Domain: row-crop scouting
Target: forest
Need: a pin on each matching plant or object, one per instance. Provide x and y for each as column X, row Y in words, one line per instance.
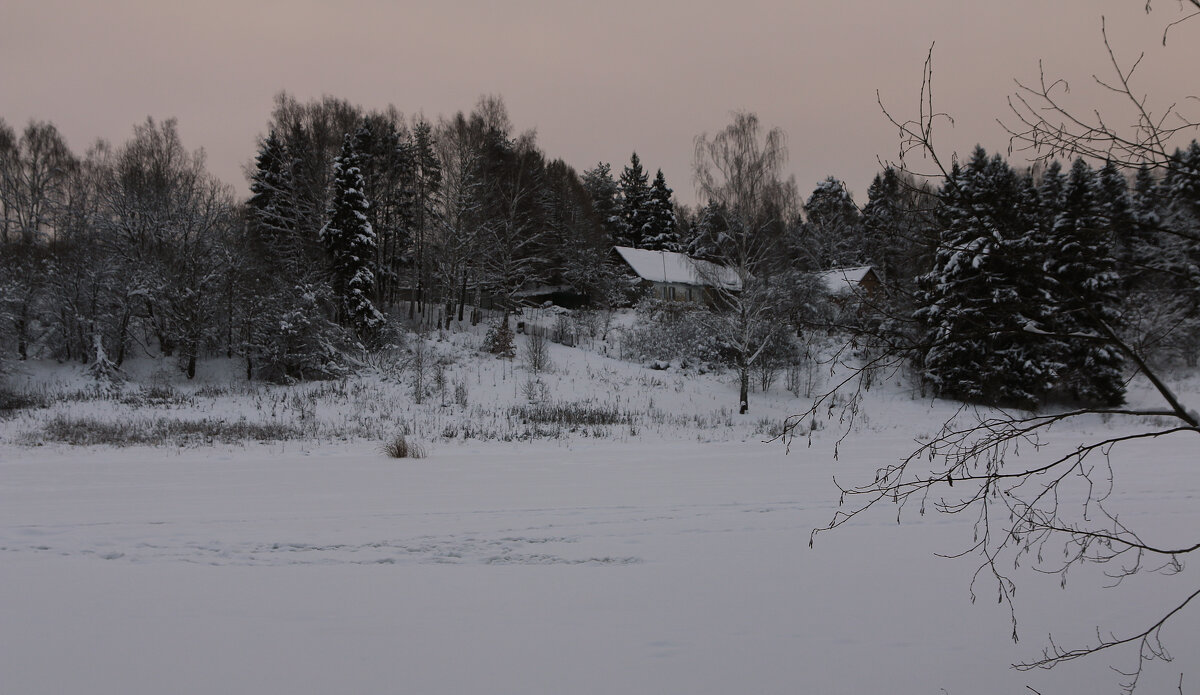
column 362, row 225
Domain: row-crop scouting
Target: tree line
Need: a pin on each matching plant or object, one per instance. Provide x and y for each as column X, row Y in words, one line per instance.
column 357, row 218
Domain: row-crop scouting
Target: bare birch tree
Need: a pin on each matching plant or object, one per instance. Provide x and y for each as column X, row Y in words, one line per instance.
column 740, row 169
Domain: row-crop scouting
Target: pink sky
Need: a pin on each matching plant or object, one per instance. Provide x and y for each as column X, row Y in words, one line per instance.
column 596, row 79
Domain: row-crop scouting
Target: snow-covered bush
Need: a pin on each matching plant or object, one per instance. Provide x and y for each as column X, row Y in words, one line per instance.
column 667, row 331
column 294, row 341
column 499, row 340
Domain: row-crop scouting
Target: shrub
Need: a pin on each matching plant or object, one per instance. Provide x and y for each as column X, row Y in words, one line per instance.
column 291, row 340
column 460, row 391
column 399, row 447
column 665, row 331
column 11, row 401
column 535, row 390
column 537, row 352
column 499, row 340
column 419, row 364
column 564, row 330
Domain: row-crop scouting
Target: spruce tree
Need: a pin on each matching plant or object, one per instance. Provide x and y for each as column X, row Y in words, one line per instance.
column 886, row 233
column 1178, row 251
column 272, row 212
column 833, row 227
column 350, row 241
column 982, row 295
column 1050, row 193
column 1117, row 207
column 1181, row 189
column 1146, row 210
column 1084, row 283
column 661, row 229
column 606, row 199
column 635, row 204
column 898, row 232
column 708, row 233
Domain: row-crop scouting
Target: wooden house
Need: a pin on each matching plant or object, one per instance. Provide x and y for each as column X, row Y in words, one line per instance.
column 677, row 277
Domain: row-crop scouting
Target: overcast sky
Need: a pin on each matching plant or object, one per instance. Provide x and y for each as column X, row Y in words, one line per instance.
column 597, row 80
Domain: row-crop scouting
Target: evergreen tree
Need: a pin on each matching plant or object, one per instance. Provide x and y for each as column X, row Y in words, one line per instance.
column 832, row 231
column 635, row 204
column 1181, row 189
column 1177, row 250
column 350, row 241
column 1117, row 207
column 661, row 228
column 273, row 217
column 1050, row 193
column 709, row 233
column 1084, row 283
column 606, row 199
column 386, row 167
column 983, row 294
column 898, row 233
column 1146, row 210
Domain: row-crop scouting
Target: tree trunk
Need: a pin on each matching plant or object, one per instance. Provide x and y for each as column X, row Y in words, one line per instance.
column 121, row 337
column 22, row 343
column 744, row 378
column 462, row 298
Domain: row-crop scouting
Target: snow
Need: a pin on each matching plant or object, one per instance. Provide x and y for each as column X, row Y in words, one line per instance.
column 843, row 280
column 671, row 267
column 674, row 560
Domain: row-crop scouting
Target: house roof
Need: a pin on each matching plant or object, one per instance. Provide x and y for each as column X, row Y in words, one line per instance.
column 671, row 267
column 844, row 280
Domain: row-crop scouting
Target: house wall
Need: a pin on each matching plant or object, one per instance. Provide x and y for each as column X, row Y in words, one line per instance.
column 677, row 292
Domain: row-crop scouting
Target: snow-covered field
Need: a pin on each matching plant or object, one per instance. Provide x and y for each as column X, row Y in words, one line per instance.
column 667, row 557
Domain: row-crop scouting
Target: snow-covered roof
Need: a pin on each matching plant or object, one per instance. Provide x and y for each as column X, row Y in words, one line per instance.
column 843, row 280
column 667, row 266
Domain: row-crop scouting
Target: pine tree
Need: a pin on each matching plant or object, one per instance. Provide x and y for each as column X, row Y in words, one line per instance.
column 350, row 241
column 635, row 204
column 662, row 229
column 983, row 294
column 1081, row 268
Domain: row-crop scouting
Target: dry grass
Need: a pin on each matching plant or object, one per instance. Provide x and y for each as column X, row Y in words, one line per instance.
column 89, row 431
column 399, row 447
